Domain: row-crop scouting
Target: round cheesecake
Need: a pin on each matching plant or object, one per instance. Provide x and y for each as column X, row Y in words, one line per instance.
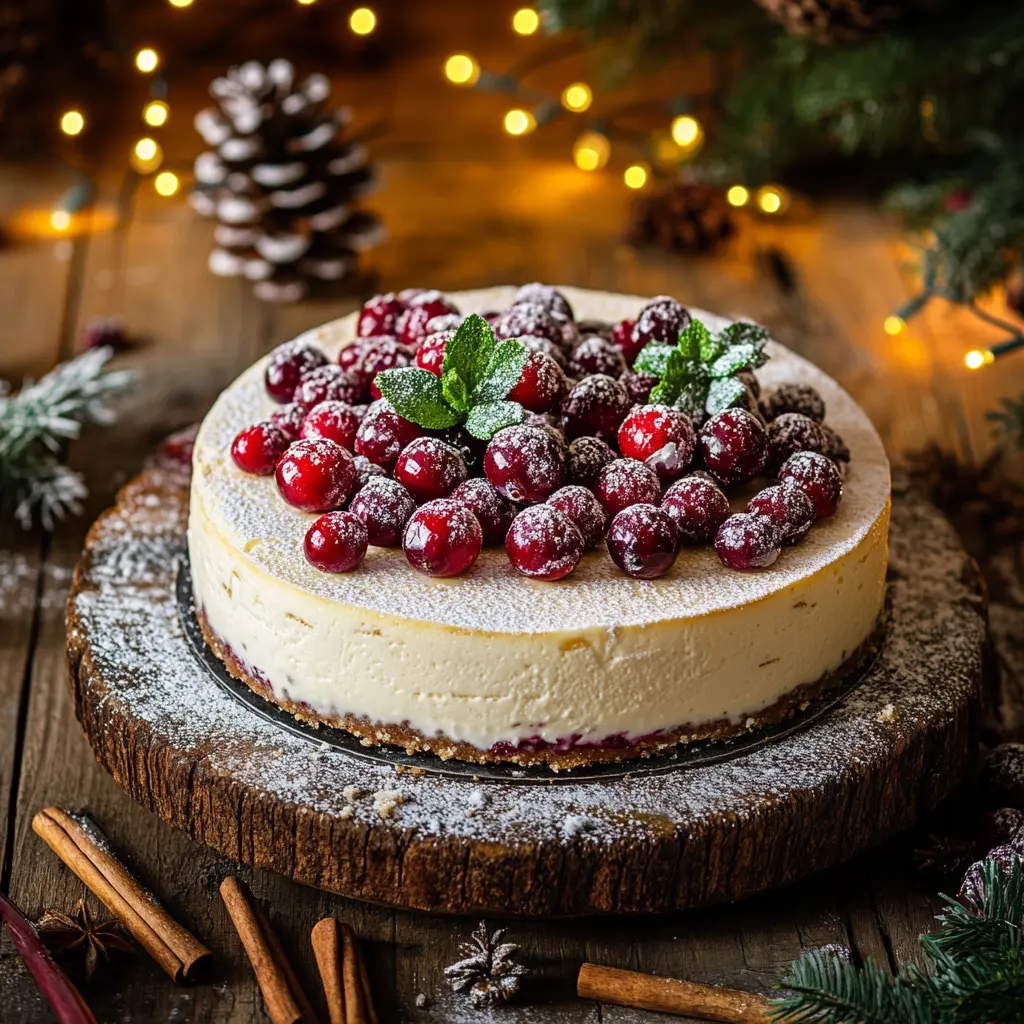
column 492, row 665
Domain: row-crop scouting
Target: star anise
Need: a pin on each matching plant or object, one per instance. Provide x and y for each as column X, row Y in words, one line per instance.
column 490, row 972
column 96, row 940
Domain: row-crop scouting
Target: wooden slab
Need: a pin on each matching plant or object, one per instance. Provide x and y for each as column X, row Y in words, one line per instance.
column 187, row 750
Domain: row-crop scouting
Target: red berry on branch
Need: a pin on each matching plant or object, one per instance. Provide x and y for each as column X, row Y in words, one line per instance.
column 336, row 542
column 442, row 538
column 315, row 475
column 256, row 449
column 642, row 541
column 544, row 544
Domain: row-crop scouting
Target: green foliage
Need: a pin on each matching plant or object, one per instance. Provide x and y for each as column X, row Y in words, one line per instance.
column 1008, row 420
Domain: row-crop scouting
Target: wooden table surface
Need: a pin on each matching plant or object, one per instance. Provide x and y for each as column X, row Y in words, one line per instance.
column 457, row 219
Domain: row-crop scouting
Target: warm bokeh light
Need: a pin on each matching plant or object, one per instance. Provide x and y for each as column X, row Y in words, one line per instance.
column 362, row 21
column 72, row 122
column 146, row 60
column 146, row 156
column 977, row 358
column 519, row 122
column 686, row 131
column 60, row 220
column 738, row 196
column 166, row 183
column 180, row 3
column 893, row 325
column 591, row 151
column 155, row 113
column 526, row 21
column 461, row 69
column 305, row 3
column 635, row 176
column 772, row 199
column 577, row 97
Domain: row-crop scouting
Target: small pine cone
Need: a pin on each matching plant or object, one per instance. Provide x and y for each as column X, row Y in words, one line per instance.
column 801, row 398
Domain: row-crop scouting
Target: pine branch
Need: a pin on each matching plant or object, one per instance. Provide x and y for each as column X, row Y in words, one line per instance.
column 1008, row 420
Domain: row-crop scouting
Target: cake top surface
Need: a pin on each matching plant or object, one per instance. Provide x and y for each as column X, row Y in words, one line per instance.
column 249, row 515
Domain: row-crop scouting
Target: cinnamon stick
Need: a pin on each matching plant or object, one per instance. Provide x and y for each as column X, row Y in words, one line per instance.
column 668, row 995
column 327, row 943
column 358, row 1003
column 83, row 846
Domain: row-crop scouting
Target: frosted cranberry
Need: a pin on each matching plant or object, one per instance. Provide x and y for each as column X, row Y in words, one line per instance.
column 626, row 482
column 525, row 463
column 586, row 458
column 328, row 383
column 570, row 333
column 442, row 538
column 597, row 355
column 430, row 354
column 639, row 385
column 788, row 507
column 379, row 315
column 660, row 436
column 286, row 367
column 256, row 449
column 595, row 407
column 413, row 324
column 334, row 420
column 542, row 384
column 351, row 356
column 336, row 542
column 315, row 475
column 289, row 418
column 697, row 507
column 734, row 446
column 385, row 506
column 801, row 398
column 366, row 471
column 642, row 541
column 662, row 319
column 382, row 434
column 528, row 318
column 792, row 432
column 622, row 338
column 429, row 469
column 408, row 294
column 746, row 541
column 387, row 355
column 544, row 346
column 583, row 509
column 544, row 544
column 545, row 295
column 445, row 322
column 817, row 477
column 491, row 508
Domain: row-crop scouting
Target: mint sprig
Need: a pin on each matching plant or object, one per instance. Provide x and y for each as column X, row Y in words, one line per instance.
column 476, row 376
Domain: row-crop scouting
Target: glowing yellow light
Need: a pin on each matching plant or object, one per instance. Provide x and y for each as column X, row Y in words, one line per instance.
column 635, row 176
column 362, row 21
column 72, row 122
column 577, row 97
column 591, row 151
column 461, row 69
column 146, row 156
column 738, row 196
column 686, row 131
column 772, row 199
column 519, row 122
column 526, row 21
column 146, row 60
column 155, row 113
column 166, row 183
column 976, row 359
column 306, row 3
column 60, row 220
column 181, row 3
column 893, row 325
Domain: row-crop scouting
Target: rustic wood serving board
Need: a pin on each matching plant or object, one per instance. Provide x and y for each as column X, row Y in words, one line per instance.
column 647, row 841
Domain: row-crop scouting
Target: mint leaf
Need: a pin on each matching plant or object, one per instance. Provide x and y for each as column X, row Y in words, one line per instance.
column 503, row 371
column 694, row 339
column 711, row 347
column 744, row 333
column 677, row 371
column 469, row 351
column 417, row 396
column 653, row 357
column 723, row 394
column 454, row 390
column 485, row 420
column 738, row 357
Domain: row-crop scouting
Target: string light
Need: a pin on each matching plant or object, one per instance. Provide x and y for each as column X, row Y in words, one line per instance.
column 577, row 97
column 687, row 132
column 591, row 150
column 155, row 113
column 772, row 199
column 977, row 358
column 461, row 69
column 738, row 196
column 635, row 176
column 166, row 183
column 526, row 21
column 362, row 21
column 519, row 122
column 147, row 60
column 146, row 156
column 306, row 3
column 180, row 3
column 893, row 325
column 60, row 220
column 72, row 122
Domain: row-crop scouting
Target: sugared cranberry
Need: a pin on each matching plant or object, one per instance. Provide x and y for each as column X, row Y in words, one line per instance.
column 428, row 468
column 351, row 356
column 385, row 506
column 622, row 338
column 315, row 475
column 662, row 319
column 544, row 544
column 697, row 507
column 289, row 418
column 595, row 407
column 336, row 542
column 642, row 541
column 430, row 354
column 585, row 511
column 387, row 355
column 734, row 446
column 542, row 385
column 570, row 333
column 491, row 508
column 328, row 383
column 444, row 322
column 256, row 449
column 366, row 471
column 413, row 324
column 382, row 434
column 793, row 432
column 528, row 318
column 334, row 420
column 639, row 385
column 586, row 458
column 287, row 365
column 838, row 449
column 661, row 436
column 801, row 398
column 626, row 482
column 525, row 463
column 408, row 294
column 545, row 295
column 817, row 477
column 596, row 355
column 442, row 538
column 545, row 346
column 746, row 541
column 788, row 507
column 380, row 315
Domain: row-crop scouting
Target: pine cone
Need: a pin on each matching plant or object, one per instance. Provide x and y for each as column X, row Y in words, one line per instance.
column 683, row 216
column 281, row 181
column 490, row 973
column 835, row 21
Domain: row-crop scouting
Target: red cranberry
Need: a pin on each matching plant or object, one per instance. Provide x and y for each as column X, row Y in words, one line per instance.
column 792, row 432
column 257, row 448
column 408, row 294
column 446, row 322
column 351, row 356
column 413, row 324
column 442, row 538
column 491, row 508
column 595, row 407
column 387, row 355
column 334, row 420
column 289, row 418
column 660, row 436
column 746, row 541
column 597, row 355
column 525, row 463
column 586, row 458
column 429, row 469
column 817, row 477
column 385, row 506
column 383, row 434
column 366, row 471
column 336, row 542
column 662, row 319
column 545, row 295
column 734, row 446
column 788, row 507
column 328, row 383
column 287, row 365
column 642, row 541
column 626, row 482
column 528, row 318
column 379, row 315
column 544, row 544
column 430, row 354
column 315, row 475
column 543, row 346
column 801, row 398
column 697, row 507
column 542, row 385
column 639, row 385
column 584, row 510
column 622, row 338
